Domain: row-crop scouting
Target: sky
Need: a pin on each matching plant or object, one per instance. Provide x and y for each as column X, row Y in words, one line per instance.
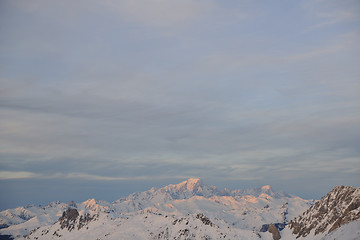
column 104, row 98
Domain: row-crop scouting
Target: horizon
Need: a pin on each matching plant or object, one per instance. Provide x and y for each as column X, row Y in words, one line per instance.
column 43, row 201
column 104, row 98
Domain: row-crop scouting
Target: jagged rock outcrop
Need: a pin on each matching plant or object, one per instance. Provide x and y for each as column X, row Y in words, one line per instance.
column 338, row 207
column 68, row 219
column 197, row 226
column 71, row 219
column 85, row 219
column 274, row 231
column 204, row 219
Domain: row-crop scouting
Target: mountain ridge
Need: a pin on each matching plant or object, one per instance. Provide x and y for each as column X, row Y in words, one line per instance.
column 187, row 210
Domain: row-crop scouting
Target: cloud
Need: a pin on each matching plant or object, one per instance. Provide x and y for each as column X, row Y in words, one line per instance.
column 96, row 90
column 127, row 170
column 16, row 175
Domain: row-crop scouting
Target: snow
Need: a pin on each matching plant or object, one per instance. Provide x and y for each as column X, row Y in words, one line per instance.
column 349, row 231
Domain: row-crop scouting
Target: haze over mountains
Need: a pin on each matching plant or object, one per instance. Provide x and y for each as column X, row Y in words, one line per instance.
column 192, row 210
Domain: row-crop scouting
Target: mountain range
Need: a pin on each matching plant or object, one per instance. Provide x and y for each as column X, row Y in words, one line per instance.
column 192, row 210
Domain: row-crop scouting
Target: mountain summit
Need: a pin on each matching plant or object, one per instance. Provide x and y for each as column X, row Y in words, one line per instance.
column 189, row 188
column 192, row 185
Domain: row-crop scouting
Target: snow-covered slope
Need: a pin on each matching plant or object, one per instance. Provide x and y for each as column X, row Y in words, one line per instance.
column 188, row 210
column 21, row 220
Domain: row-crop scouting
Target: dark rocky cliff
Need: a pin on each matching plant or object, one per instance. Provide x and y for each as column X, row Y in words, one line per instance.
column 338, row 207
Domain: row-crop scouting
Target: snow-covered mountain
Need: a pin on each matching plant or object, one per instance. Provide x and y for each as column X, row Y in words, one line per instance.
column 188, row 210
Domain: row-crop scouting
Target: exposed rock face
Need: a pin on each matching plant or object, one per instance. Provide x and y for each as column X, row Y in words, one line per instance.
column 205, row 220
column 338, row 207
column 68, row 219
column 85, row 219
column 191, row 227
column 275, row 232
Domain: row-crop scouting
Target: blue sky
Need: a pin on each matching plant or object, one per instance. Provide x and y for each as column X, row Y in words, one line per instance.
column 110, row 97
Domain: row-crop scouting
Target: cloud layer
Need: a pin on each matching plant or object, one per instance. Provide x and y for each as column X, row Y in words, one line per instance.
column 236, row 92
